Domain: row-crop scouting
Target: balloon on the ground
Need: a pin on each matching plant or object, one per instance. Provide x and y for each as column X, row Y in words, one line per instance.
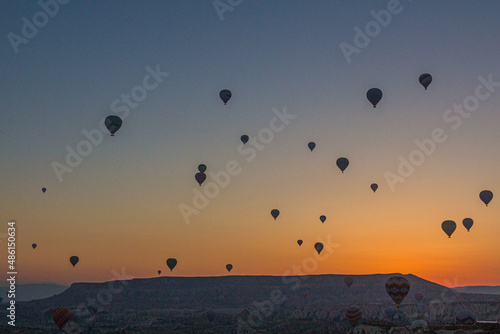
column 74, row 260
column 244, row 139
column 61, row 316
column 113, row 123
column 425, row 80
column 275, row 213
column 322, row 218
column 311, row 145
column 374, row 187
column 229, row 267
column 397, row 288
column 225, row 95
column 419, row 325
column 466, row 317
column 342, row 163
column 299, row 242
column 486, row 196
column 468, row 222
column 319, row 247
column 202, row 168
column 348, row 281
column 171, row 263
column 200, row 178
column 353, row 315
column 449, row 226
column 374, row 95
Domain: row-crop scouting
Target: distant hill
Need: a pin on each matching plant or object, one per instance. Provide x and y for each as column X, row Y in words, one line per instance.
column 28, row 292
column 479, row 289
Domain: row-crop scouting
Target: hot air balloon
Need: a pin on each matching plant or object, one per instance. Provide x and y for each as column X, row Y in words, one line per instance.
column 244, row 139
column 319, row 247
column 397, row 287
column 311, row 145
column 486, row 196
column 275, row 213
column 225, row 95
column 374, row 95
column 390, row 312
column 113, row 123
column 299, row 242
column 342, row 163
column 44, row 190
column 322, row 218
column 374, row 187
column 34, row 246
column 61, row 316
column 419, row 296
column 348, row 281
column 417, row 326
column 159, row 272
column 171, row 263
column 425, row 80
column 466, row 317
column 468, row 223
column 202, row 168
column 200, row 177
column 74, row 260
column 449, row 227
column 229, row 267
column 353, row 315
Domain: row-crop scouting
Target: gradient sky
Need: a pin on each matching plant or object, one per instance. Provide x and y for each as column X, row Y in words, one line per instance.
column 120, row 207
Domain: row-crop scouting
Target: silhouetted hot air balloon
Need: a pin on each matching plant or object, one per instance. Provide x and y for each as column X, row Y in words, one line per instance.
column 244, row 139
column 466, row 317
column 61, row 316
column 200, row 177
column 44, row 190
column 425, row 80
column 486, row 196
column 229, row 267
column 419, row 296
column 299, row 242
column 171, row 263
column 311, row 145
column 342, row 163
column 449, row 226
column 113, row 123
column 419, row 325
column 225, row 95
column 353, row 315
column 275, row 213
column 202, row 168
column 74, row 260
column 374, row 95
column 348, row 281
column 397, row 287
column 159, row 272
column 322, row 218
column 319, row 247
column 468, row 223
column 34, row 246
column 374, row 187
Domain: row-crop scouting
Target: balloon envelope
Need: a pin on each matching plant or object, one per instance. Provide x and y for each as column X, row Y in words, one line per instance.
column 348, row 281
column 44, row 190
column 468, row 222
column 34, row 246
column 202, row 168
column 425, row 80
column 74, row 260
column 225, row 95
column 374, row 187
column 390, row 311
column 353, row 315
column 113, row 123
column 61, row 316
column 275, row 213
column 171, row 263
column 374, row 95
column 342, row 163
column 419, row 296
column 319, row 247
column 311, row 146
column 397, row 288
column 200, row 178
column 486, row 196
column 419, row 325
column 299, row 242
column 229, row 267
column 449, row 226
column 322, row 218
column 244, row 139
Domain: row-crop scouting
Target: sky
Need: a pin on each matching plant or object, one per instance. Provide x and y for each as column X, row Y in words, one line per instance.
column 298, row 72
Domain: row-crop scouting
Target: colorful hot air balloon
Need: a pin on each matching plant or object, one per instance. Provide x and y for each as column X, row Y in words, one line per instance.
column 225, row 95
column 342, row 163
column 397, row 287
column 202, row 168
column 449, row 226
column 468, row 222
column 200, row 177
column 44, row 190
column 311, row 145
column 229, row 267
column 486, row 196
column 419, row 296
column 374, row 187
column 159, row 272
column 319, row 247
column 353, row 315
column 171, row 263
column 348, row 281
column 74, row 260
column 34, row 246
column 299, row 242
column 374, row 95
column 466, row 317
column 275, row 213
column 322, row 218
column 244, row 139
column 425, row 80
column 113, row 123
column 61, row 316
